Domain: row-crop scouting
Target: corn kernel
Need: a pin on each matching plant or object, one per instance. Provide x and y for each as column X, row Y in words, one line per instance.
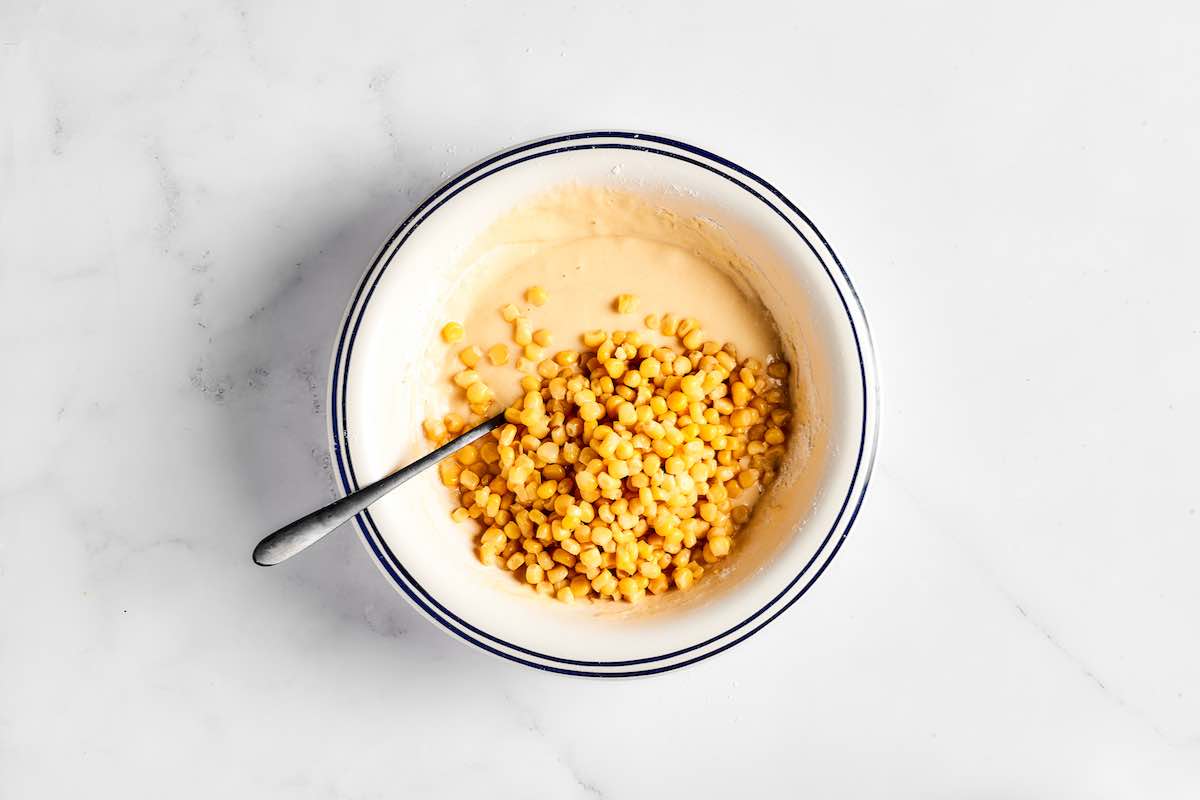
column 454, row 423
column 435, row 430
column 470, row 356
column 452, row 332
column 465, row 378
column 498, row 354
column 478, row 393
column 536, row 295
column 625, row 303
column 509, row 312
column 743, row 418
column 683, row 578
column 522, row 331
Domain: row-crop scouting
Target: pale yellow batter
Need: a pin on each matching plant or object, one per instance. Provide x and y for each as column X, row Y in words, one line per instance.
column 586, row 245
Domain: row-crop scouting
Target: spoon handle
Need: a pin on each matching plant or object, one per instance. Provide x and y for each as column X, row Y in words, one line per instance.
column 291, row 539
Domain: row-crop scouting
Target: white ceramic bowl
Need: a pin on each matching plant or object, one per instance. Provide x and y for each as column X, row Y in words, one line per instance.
column 798, row 527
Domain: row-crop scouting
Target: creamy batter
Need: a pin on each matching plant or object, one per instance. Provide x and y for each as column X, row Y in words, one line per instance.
column 586, row 245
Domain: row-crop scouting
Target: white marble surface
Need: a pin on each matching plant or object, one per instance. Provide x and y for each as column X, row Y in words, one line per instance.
column 188, row 193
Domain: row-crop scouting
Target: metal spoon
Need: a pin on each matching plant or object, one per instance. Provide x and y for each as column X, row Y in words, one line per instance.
column 291, row 539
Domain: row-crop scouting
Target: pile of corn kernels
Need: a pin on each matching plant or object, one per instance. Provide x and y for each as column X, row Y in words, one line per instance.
column 620, row 468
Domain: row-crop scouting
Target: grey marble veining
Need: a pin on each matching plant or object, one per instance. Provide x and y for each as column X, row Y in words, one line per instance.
column 189, row 192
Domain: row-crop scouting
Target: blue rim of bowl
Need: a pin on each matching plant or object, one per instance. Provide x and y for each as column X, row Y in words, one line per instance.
column 868, row 434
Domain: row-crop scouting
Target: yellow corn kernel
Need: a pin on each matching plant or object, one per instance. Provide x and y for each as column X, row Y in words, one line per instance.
column 434, row 429
column 536, row 295
column 534, row 352
column 478, row 393
column 593, row 338
column 740, row 394
column 692, row 386
column 625, row 303
column 465, row 378
column 719, row 545
column 626, row 414
column 591, row 411
column 543, row 337
column 743, row 418
column 454, row 423
column 590, row 557
column 522, row 331
column 670, row 325
column 470, row 356
column 498, row 354
column 652, row 322
column 452, row 332
column 459, row 515
column 615, row 367
column 449, row 471
column 683, row 577
column 509, row 312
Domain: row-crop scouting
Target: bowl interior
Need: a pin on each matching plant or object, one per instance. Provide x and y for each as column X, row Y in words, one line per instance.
column 385, row 401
